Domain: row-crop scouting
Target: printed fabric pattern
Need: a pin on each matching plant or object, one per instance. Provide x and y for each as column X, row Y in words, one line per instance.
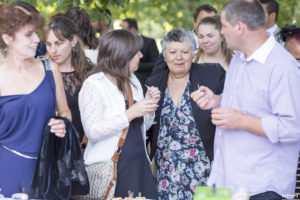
column 181, row 160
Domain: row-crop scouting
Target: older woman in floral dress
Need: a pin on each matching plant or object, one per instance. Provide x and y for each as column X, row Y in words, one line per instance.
column 182, row 140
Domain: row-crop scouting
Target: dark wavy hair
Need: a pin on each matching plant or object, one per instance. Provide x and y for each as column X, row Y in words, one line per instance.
column 81, row 20
column 116, row 50
column 64, row 29
column 13, row 17
column 272, row 6
column 205, row 7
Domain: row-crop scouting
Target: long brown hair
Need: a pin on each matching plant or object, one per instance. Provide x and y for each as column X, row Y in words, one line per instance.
column 215, row 21
column 116, row 50
column 64, row 29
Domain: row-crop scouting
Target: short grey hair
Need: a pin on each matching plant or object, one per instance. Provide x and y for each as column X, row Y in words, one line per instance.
column 249, row 12
column 179, row 35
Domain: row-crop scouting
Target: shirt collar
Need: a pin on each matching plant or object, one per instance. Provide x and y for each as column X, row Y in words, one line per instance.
column 261, row 54
column 274, row 29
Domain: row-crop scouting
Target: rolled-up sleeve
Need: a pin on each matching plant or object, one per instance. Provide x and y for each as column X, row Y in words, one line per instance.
column 283, row 124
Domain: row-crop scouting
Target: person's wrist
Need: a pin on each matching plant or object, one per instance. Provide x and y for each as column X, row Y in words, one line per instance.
column 216, row 101
column 242, row 121
column 129, row 115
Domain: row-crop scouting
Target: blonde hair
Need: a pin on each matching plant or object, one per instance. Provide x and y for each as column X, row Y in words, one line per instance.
column 214, row 20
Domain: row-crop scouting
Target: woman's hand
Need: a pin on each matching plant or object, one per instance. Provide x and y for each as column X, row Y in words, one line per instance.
column 152, row 93
column 58, row 127
column 141, row 108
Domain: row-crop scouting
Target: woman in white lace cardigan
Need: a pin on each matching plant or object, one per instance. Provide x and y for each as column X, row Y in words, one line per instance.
column 105, row 113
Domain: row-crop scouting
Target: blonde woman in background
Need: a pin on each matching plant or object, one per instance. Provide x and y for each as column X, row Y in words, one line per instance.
column 213, row 48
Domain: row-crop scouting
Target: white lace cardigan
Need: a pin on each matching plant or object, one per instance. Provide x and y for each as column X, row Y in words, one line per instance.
column 102, row 111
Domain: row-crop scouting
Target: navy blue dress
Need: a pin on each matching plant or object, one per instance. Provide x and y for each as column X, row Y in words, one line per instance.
column 133, row 168
column 22, row 122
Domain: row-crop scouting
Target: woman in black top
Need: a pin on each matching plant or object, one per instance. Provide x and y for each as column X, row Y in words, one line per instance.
column 65, row 49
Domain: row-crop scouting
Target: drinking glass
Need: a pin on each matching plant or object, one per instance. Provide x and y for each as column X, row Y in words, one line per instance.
column 1, row 195
column 240, row 193
column 19, row 196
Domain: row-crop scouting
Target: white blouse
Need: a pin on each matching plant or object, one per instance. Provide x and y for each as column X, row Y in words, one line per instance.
column 102, row 110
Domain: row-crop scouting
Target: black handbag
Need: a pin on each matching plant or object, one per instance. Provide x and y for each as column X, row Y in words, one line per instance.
column 60, row 171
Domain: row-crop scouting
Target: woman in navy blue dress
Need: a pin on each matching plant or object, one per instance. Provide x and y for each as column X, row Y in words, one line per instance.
column 27, row 101
column 103, row 104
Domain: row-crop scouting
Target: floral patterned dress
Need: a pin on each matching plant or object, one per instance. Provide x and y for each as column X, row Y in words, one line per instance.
column 181, row 160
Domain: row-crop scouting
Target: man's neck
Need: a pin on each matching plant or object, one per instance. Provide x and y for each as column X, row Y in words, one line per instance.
column 134, row 31
column 253, row 41
column 270, row 25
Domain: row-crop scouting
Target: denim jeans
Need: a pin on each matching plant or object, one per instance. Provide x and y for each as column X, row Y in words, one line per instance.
column 269, row 195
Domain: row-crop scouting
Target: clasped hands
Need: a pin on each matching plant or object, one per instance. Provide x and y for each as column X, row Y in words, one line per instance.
column 223, row 118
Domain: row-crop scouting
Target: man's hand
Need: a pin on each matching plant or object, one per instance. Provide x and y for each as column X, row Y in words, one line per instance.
column 227, row 118
column 205, row 98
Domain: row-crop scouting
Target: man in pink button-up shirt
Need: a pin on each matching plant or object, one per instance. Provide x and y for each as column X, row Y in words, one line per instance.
column 257, row 138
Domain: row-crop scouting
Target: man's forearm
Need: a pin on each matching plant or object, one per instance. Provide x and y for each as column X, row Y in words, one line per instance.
column 252, row 124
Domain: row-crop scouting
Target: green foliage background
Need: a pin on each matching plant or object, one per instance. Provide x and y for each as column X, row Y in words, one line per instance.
column 155, row 17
